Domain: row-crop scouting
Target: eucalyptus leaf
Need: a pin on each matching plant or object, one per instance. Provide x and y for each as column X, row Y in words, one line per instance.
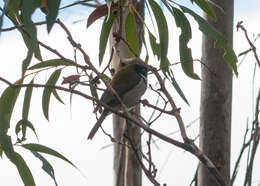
column 53, row 9
column 131, row 34
column 106, row 27
column 49, row 63
column 48, row 91
column 185, row 52
column 229, row 54
column 46, row 150
column 163, row 32
column 7, row 102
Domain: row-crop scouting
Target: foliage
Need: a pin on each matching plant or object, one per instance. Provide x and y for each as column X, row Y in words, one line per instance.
column 20, row 12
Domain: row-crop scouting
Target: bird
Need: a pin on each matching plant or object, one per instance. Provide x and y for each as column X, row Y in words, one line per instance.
column 130, row 83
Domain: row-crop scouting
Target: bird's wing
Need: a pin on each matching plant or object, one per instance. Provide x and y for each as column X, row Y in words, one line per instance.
column 125, row 81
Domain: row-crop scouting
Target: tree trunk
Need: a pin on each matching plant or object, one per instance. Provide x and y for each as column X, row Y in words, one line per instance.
column 127, row 170
column 216, row 98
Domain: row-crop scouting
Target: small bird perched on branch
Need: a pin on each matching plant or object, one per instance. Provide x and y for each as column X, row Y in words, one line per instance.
column 130, row 84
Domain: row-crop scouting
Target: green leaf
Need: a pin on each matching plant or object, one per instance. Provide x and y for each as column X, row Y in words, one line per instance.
column 176, row 86
column 27, row 101
column 56, row 95
column 49, row 63
column 46, row 166
column 7, row 102
column 46, row 150
column 163, row 32
column 47, row 92
column 185, row 52
column 27, row 39
column 229, row 55
column 13, row 5
column 53, row 8
column 27, row 61
column 106, row 27
column 1, row 151
column 30, row 36
column 204, row 5
column 168, row 73
column 7, row 146
column 22, row 125
column 24, row 171
column 131, row 34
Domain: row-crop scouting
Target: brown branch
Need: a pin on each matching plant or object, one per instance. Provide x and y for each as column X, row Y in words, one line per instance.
column 21, row 26
column 240, row 26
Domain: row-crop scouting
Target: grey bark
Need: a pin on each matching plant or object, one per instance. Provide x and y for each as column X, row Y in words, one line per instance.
column 216, row 98
column 127, row 170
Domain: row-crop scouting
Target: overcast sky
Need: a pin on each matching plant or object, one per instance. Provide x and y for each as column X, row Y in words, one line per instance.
column 67, row 130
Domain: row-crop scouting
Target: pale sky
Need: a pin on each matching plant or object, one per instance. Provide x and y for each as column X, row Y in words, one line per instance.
column 67, row 131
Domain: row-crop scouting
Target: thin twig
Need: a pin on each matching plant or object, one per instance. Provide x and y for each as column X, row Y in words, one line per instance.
column 240, row 26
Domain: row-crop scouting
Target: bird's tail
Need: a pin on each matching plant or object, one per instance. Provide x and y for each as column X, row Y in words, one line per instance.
column 98, row 124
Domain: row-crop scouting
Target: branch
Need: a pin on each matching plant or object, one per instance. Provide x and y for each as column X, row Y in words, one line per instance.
column 240, row 26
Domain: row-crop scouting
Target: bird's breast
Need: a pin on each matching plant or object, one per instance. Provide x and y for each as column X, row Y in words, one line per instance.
column 131, row 98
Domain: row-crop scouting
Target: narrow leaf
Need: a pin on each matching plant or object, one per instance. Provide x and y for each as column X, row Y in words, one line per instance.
column 27, row 101
column 46, row 166
column 168, row 73
column 131, row 34
column 27, row 60
column 106, row 27
column 46, row 150
column 204, row 5
column 7, row 146
column 53, row 8
column 24, row 171
column 56, row 95
column 185, row 52
column 7, row 102
column 23, row 124
column 176, row 86
column 229, row 55
column 30, row 36
column 50, row 63
column 99, row 12
column 47, row 92
column 163, row 32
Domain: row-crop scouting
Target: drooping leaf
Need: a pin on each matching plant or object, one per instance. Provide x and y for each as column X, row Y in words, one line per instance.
column 27, row 101
column 204, row 5
column 163, row 32
column 7, row 102
column 7, row 146
column 49, row 63
column 46, row 166
column 48, row 91
column 53, row 9
column 168, row 73
column 131, row 34
column 22, row 125
column 99, row 12
column 46, row 150
column 176, row 86
column 229, row 55
column 185, row 51
column 13, row 5
column 27, row 61
column 56, row 95
column 16, row 159
column 106, row 27
column 24, row 171
column 30, row 37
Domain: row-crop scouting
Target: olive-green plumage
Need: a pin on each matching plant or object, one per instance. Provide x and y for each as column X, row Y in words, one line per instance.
column 130, row 84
